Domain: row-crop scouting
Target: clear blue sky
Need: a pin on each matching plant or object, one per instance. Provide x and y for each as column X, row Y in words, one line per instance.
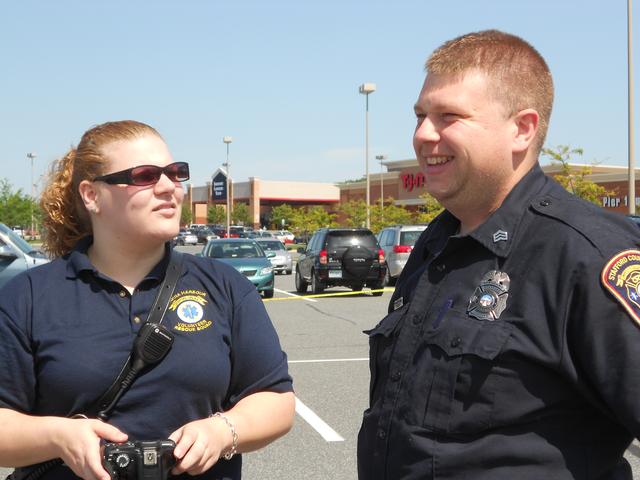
column 282, row 77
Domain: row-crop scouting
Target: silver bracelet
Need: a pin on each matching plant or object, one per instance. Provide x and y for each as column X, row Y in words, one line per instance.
column 234, row 435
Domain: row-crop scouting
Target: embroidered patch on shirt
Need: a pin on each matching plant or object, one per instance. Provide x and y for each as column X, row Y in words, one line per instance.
column 621, row 276
column 188, row 306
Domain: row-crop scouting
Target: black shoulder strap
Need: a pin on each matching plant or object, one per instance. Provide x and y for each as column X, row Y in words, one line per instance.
column 156, row 315
column 34, row 472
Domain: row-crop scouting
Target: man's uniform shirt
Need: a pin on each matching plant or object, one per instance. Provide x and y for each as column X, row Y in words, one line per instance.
column 504, row 355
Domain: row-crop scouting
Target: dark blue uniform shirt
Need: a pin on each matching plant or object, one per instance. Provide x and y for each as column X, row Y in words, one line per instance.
column 66, row 331
column 550, row 389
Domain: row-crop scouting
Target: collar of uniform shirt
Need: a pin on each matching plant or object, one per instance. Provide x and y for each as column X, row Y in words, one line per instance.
column 507, row 218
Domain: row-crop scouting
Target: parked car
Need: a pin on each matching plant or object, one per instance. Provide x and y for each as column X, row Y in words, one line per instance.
column 264, row 234
column 239, row 231
column 397, row 243
column 302, row 238
column 16, row 255
column 635, row 219
column 348, row 257
column 285, row 236
column 186, row 237
column 204, row 234
column 247, row 257
column 282, row 261
column 221, row 232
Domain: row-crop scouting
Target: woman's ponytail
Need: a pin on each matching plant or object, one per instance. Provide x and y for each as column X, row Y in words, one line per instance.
column 63, row 221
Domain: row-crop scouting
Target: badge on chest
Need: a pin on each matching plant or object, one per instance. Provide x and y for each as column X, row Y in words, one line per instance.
column 490, row 297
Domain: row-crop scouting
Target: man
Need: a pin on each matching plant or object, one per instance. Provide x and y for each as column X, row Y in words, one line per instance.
column 512, row 345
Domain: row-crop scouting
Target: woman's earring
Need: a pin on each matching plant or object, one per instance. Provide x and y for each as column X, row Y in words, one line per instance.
column 92, row 209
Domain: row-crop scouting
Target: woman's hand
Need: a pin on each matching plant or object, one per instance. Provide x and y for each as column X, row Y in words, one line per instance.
column 199, row 445
column 78, row 442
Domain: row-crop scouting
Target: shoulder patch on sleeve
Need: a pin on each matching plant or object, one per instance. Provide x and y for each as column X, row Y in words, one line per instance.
column 621, row 276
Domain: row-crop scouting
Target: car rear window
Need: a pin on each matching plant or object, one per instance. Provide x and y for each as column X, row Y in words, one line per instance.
column 235, row 250
column 272, row 245
column 336, row 240
column 409, row 237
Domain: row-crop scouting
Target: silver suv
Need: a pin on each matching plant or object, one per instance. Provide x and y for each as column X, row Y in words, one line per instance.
column 16, row 255
column 397, row 243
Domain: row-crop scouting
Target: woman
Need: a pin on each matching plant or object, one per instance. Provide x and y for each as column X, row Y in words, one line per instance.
column 110, row 209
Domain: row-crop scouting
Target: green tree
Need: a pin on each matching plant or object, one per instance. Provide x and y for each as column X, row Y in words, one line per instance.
column 240, row 214
column 575, row 181
column 430, row 210
column 280, row 212
column 306, row 220
column 185, row 214
column 216, row 214
column 354, row 212
column 390, row 214
column 16, row 207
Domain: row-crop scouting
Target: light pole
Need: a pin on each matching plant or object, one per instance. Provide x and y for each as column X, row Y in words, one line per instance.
column 381, row 159
column 227, row 140
column 366, row 89
column 632, row 166
column 31, row 156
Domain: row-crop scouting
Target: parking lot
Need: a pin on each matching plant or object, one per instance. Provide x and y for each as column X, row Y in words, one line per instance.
column 328, row 359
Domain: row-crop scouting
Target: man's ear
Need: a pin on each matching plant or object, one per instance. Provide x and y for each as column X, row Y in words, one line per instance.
column 89, row 195
column 525, row 128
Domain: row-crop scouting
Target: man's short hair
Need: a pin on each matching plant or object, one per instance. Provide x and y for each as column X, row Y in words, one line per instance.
column 519, row 75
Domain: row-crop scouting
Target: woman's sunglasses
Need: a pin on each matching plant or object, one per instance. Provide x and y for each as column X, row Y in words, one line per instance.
column 147, row 174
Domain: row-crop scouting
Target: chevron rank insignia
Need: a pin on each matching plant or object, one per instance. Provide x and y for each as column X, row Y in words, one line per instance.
column 500, row 236
column 621, row 276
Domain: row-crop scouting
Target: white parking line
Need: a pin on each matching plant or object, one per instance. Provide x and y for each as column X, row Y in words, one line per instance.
column 294, row 295
column 319, row 425
column 326, row 360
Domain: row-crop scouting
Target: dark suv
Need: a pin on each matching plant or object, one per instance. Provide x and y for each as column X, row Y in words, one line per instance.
column 348, row 257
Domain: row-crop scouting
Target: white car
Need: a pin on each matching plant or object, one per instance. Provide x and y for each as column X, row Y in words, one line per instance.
column 186, row 237
column 16, row 255
column 282, row 261
column 285, row 236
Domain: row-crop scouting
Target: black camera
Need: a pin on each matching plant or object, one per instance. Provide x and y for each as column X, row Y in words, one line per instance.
column 139, row 460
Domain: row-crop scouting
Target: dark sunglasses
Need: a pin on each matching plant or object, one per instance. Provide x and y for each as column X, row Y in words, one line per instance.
column 143, row 175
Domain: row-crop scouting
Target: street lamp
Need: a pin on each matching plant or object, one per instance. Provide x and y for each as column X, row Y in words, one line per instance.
column 227, row 140
column 31, row 156
column 365, row 89
column 632, row 165
column 381, row 158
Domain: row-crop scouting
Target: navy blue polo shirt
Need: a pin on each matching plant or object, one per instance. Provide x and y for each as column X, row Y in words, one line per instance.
column 66, row 331
column 542, row 384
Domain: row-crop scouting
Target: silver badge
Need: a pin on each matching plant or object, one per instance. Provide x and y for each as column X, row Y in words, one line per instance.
column 490, row 298
column 500, row 236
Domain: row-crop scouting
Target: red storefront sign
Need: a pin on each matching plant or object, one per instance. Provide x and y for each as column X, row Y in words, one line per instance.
column 412, row 180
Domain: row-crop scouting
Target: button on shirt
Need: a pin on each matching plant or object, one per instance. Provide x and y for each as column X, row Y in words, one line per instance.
column 66, row 331
column 547, row 390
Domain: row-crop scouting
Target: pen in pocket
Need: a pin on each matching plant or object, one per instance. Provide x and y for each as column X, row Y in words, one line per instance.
column 442, row 312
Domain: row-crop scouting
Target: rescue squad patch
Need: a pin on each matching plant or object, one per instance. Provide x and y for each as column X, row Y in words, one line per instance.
column 188, row 305
column 621, row 276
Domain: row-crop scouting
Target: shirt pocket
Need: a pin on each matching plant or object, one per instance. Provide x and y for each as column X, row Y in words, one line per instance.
column 381, row 341
column 463, row 353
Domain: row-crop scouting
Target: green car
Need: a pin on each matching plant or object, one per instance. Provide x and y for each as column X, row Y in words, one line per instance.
column 247, row 257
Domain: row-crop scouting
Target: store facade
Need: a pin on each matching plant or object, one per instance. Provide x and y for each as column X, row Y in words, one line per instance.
column 403, row 181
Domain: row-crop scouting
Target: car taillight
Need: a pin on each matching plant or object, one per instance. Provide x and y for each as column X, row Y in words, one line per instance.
column 402, row 248
column 381, row 255
column 323, row 257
